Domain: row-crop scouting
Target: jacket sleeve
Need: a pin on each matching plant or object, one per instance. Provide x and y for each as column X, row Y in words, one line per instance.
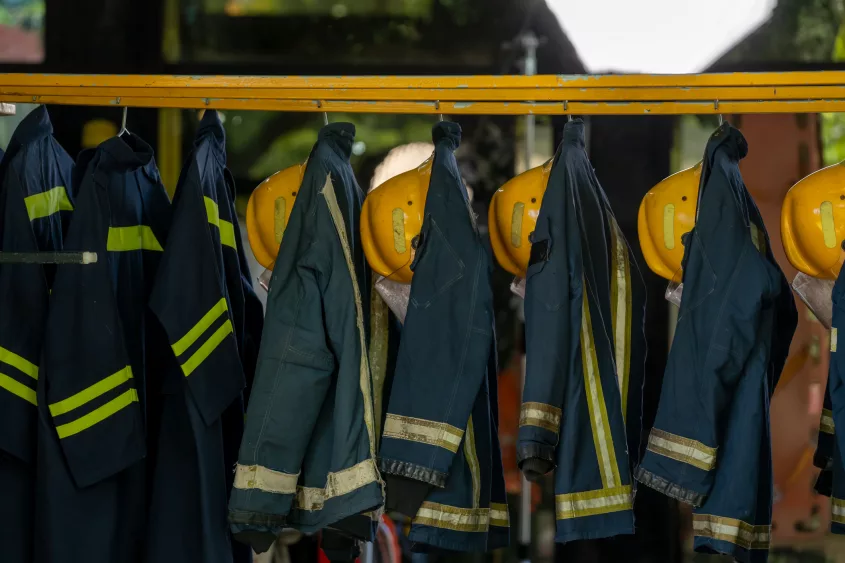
column 550, row 334
column 725, row 281
column 293, row 377
column 190, row 301
column 91, row 393
column 24, row 307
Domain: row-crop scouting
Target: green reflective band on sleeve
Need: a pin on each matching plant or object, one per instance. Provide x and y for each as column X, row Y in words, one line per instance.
column 18, row 389
column 18, row 362
column 46, row 203
column 227, row 229
column 91, row 393
column 206, row 349
column 98, row 415
column 206, row 321
column 136, row 237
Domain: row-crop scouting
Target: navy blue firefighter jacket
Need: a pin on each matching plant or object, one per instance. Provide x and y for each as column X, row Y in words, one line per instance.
column 307, row 459
column 199, row 299
column 36, row 203
column 710, row 445
column 830, row 454
column 102, row 354
column 440, row 429
column 585, row 352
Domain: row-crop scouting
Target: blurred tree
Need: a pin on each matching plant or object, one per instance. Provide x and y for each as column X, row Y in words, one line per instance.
column 799, row 30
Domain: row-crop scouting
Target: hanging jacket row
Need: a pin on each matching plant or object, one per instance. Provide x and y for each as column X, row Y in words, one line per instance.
column 123, row 381
column 342, row 409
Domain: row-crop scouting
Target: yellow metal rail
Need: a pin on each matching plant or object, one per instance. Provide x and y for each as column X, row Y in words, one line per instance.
column 787, row 92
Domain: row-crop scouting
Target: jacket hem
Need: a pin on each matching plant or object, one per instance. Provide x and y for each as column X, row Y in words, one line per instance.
column 671, row 490
column 530, row 450
column 413, row 471
column 335, row 509
column 594, row 534
column 703, row 544
column 441, row 539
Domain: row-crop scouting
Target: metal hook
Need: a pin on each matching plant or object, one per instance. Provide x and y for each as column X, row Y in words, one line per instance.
column 325, row 114
column 566, row 109
column 437, row 107
column 716, row 107
column 123, row 128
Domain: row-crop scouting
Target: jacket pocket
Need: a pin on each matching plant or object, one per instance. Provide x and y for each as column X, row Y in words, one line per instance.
column 543, row 288
column 436, row 266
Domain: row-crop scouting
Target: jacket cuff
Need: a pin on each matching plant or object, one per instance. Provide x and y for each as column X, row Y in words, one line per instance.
column 671, row 490
column 527, row 450
column 534, row 468
column 405, row 495
column 413, row 471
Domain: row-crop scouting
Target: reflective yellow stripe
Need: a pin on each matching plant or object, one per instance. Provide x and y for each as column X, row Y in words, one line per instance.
column 136, row 237
column 682, row 449
column 16, row 388
column 602, row 438
column 18, row 362
column 46, row 203
column 828, row 227
column 227, row 229
column 731, row 530
column 837, row 510
column 378, row 352
column 472, row 462
column 826, row 424
column 206, row 349
column 540, row 415
column 98, row 415
column 516, row 224
column 398, row 217
column 620, row 305
column 265, row 479
column 452, row 517
column 669, row 226
column 423, row 431
column 591, row 503
column 338, row 484
column 499, row 515
column 91, row 393
column 205, row 322
column 364, row 376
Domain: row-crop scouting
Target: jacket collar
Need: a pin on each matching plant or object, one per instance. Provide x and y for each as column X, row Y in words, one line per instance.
column 36, row 125
column 731, row 139
column 447, row 132
column 340, row 137
column 211, row 131
column 573, row 133
column 129, row 149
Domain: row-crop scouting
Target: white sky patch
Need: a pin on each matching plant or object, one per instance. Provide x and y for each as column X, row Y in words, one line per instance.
column 657, row 36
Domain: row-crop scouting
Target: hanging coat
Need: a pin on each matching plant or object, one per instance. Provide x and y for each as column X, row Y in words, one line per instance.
column 585, row 352
column 710, row 445
column 441, row 428
column 102, row 352
column 307, row 459
column 35, row 208
column 831, row 449
column 199, row 299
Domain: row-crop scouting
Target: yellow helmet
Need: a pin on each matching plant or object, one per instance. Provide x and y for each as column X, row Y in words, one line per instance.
column 513, row 216
column 667, row 212
column 268, row 212
column 391, row 219
column 812, row 223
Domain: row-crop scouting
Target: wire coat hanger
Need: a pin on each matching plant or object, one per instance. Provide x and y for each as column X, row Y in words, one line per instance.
column 123, row 128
